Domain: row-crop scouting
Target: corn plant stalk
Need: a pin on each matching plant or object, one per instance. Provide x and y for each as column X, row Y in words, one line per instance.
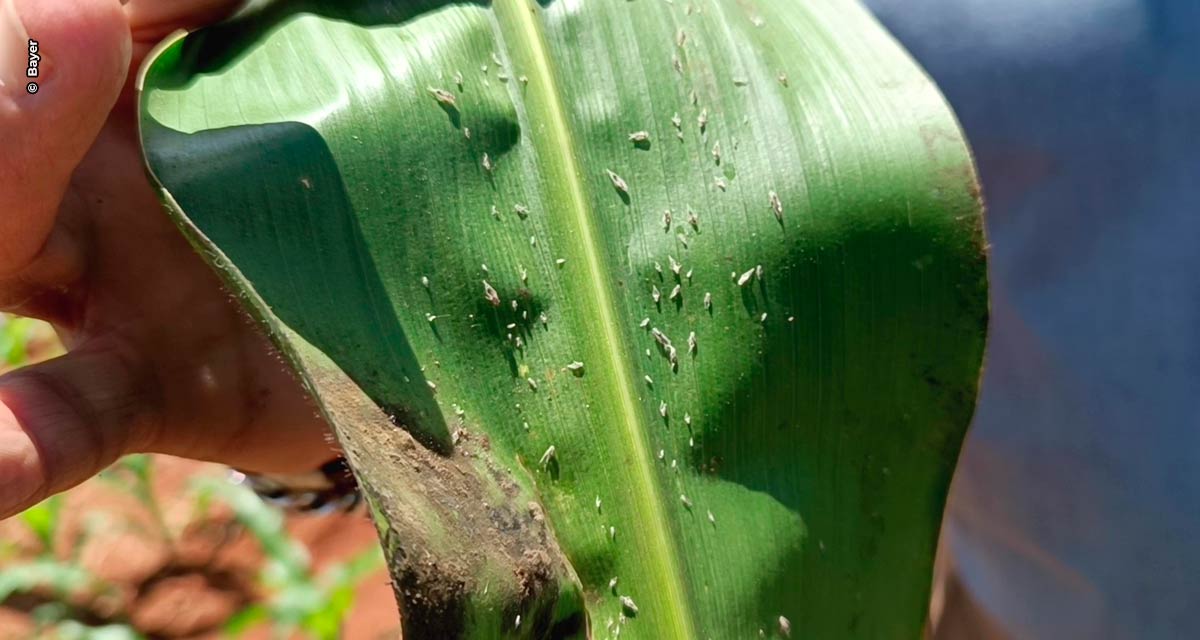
column 654, row 318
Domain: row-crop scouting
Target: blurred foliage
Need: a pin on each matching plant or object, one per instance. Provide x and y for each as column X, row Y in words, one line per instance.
column 25, row 341
column 299, row 602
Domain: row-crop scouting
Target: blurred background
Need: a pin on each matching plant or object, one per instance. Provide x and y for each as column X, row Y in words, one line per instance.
column 1076, row 503
column 161, row 547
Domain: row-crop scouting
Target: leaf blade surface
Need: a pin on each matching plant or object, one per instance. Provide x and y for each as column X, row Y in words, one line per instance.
column 807, row 480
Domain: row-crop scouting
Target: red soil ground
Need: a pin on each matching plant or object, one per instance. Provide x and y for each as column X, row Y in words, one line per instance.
column 187, row 589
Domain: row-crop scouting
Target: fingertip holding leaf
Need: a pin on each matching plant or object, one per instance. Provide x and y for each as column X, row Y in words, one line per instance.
column 840, row 426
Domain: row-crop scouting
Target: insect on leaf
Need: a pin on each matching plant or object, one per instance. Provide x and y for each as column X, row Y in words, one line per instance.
column 764, row 451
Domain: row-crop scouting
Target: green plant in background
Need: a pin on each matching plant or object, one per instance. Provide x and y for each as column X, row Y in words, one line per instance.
column 134, row 475
column 13, row 338
column 299, row 599
column 299, row 602
column 62, row 581
column 679, row 306
column 72, row 630
column 23, row 339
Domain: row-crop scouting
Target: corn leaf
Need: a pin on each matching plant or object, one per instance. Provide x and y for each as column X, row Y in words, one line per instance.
column 644, row 317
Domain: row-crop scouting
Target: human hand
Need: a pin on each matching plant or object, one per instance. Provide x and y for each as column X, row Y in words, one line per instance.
column 160, row 359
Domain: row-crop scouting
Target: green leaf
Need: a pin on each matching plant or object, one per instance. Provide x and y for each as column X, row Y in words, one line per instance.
column 14, row 337
column 241, row 622
column 353, row 570
column 287, row 560
column 793, row 463
column 62, row 579
column 23, row 340
column 43, row 520
column 73, row 630
column 134, row 474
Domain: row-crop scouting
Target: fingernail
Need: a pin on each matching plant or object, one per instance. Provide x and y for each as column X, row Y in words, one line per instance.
column 14, row 47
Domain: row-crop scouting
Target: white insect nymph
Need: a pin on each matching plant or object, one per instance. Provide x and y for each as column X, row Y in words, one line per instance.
column 490, row 294
column 629, row 605
column 618, row 182
column 444, row 98
column 745, row 277
column 776, row 205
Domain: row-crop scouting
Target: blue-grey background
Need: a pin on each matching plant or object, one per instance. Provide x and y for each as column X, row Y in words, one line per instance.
column 1076, row 510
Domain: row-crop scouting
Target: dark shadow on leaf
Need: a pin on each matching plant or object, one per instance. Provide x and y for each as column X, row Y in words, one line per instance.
column 304, row 253
column 505, row 324
column 453, row 114
column 214, row 48
column 749, row 300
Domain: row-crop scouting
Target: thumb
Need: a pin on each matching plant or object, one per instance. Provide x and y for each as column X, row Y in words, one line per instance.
column 64, row 420
column 62, row 65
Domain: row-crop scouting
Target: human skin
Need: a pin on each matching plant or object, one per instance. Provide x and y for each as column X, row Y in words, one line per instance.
column 160, row 358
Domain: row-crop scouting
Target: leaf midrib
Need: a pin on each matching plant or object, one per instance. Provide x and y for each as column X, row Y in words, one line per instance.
column 520, row 16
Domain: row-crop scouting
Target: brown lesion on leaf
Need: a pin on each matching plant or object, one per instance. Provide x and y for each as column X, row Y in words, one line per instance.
column 460, row 533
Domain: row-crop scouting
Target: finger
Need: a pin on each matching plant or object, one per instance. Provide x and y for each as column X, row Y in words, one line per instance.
column 82, row 56
column 153, row 20
column 64, row 420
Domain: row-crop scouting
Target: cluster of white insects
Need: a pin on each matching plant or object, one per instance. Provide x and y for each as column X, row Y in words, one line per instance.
column 640, row 139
